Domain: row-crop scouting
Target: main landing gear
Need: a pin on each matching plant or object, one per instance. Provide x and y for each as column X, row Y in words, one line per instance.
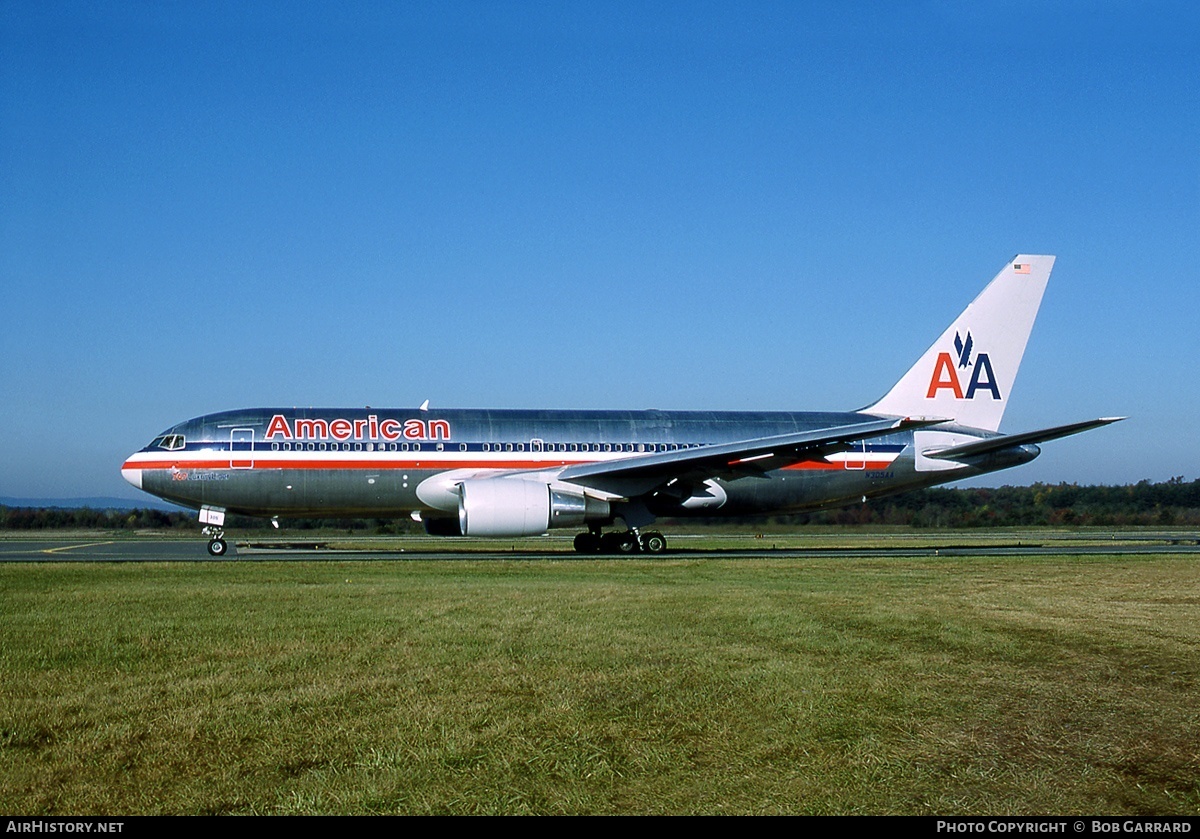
column 628, row 542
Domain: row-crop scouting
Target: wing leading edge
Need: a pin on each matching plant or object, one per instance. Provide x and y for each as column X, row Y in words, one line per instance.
column 632, row 477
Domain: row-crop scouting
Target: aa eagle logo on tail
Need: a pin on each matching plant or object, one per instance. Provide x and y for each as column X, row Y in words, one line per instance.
column 964, row 349
column 945, row 375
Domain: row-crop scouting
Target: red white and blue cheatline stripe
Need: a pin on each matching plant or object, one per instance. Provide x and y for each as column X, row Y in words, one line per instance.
column 874, row 457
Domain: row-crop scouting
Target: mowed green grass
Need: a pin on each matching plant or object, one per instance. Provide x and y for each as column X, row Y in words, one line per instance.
column 851, row 685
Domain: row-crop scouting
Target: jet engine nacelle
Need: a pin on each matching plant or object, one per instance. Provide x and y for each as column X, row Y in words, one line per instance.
column 517, row 507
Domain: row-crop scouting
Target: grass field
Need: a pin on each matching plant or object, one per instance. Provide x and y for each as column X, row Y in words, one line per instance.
column 851, row 685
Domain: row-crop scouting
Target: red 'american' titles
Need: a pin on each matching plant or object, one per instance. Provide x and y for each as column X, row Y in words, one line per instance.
column 366, row 428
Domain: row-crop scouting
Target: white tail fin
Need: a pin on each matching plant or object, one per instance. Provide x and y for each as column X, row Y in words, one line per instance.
column 968, row 373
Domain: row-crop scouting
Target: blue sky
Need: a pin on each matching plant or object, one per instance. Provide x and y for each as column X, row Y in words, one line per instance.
column 207, row 206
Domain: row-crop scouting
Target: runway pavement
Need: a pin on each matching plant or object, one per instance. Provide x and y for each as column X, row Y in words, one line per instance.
column 173, row 550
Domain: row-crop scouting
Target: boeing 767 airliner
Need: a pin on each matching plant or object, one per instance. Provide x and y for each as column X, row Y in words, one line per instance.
column 508, row 473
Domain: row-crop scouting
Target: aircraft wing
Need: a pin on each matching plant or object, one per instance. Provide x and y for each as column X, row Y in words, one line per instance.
column 992, row 444
column 634, row 476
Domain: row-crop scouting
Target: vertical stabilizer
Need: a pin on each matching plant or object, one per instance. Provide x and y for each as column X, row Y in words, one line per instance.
column 968, row 373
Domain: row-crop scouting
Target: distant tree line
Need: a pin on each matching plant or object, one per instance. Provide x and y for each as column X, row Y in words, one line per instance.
column 89, row 518
column 1173, row 503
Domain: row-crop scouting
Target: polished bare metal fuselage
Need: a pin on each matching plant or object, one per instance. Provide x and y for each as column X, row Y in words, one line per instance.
column 304, row 462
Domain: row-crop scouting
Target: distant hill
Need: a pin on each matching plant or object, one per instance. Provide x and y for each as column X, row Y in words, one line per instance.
column 96, row 503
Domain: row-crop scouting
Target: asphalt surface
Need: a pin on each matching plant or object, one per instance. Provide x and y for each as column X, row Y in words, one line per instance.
column 171, row 550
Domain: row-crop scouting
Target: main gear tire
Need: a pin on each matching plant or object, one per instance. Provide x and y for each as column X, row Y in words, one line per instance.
column 654, row 542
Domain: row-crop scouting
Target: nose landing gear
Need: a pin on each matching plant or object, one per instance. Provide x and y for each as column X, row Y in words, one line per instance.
column 216, row 544
column 213, row 519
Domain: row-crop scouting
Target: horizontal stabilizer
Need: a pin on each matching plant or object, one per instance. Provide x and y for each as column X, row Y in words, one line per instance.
column 993, row 444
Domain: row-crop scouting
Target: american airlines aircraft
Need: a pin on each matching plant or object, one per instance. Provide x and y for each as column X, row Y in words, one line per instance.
column 508, row 473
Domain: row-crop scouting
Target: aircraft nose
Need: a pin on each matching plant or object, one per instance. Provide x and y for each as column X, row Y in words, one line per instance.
column 132, row 474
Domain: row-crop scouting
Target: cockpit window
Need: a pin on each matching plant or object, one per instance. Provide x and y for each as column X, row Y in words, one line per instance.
column 170, row 442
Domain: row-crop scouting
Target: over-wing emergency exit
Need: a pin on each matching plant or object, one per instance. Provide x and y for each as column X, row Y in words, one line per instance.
column 510, row 473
